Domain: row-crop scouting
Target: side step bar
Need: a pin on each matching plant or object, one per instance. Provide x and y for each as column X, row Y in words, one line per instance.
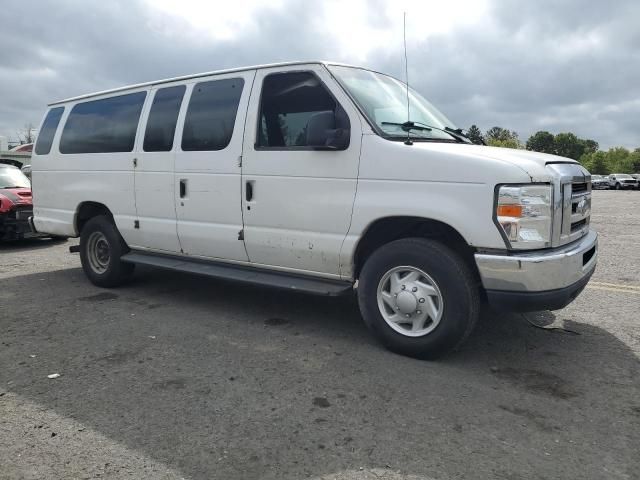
column 244, row 274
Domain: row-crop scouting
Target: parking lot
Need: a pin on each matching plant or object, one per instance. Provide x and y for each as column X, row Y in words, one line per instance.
column 175, row 376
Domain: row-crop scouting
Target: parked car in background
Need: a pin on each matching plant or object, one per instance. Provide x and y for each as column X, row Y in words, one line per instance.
column 637, row 177
column 26, row 169
column 15, row 204
column 620, row 181
column 599, row 182
column 24, row 148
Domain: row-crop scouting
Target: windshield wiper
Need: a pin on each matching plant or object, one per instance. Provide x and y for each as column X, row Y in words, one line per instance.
column 407, row 126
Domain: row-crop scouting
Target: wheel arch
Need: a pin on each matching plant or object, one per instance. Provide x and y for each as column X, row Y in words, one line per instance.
column 86, row 211
column 387, row 229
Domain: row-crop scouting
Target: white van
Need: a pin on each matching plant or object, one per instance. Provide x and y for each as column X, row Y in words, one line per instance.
column 314, row 177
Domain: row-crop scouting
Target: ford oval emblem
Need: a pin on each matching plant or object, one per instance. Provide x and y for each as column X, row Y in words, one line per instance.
column 582, row 206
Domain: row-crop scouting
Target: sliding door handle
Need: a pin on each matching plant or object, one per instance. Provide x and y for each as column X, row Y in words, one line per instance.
column 248, row 191
column 183, row 188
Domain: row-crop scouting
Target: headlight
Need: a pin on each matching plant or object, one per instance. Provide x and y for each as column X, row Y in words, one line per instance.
column 523, row 213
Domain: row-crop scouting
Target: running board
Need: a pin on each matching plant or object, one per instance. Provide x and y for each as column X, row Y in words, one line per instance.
column 244, row 274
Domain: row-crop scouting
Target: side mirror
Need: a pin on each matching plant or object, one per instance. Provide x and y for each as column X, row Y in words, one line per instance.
column 324, row 134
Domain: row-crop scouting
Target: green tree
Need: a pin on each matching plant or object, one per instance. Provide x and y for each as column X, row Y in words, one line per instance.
column 635, row 160
column 568, row 145
column 508, row 143
column 619, row 160
column 501, row 137
column 499, row 133
column 590, row 146
column 541, row 141
column 596, row 163
column 475, row 135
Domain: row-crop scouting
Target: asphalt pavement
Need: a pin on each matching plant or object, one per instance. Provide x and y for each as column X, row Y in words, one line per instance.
column 175, row 376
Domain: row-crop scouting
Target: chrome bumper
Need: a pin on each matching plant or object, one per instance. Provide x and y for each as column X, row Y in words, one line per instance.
column 540, row 271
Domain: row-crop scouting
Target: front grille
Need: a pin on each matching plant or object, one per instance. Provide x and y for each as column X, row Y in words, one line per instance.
column 579, row 187
column 575, row 226
column 577, row 212
column 571, row 202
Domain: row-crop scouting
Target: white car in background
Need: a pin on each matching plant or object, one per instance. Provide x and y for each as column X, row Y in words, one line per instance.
column 621, row 181
column 599, row 182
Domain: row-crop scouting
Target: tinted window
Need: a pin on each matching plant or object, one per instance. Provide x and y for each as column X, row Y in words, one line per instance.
column 211, row 114
column 48, row 130
column 102, row 126
column 289, row 102
column 163, row 117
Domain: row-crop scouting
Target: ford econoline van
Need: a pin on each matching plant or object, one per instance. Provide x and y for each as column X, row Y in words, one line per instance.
column 321, row 178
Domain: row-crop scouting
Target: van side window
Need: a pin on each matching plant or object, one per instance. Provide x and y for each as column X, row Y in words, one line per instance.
column 211, row 115
column 289, row 102
column 163, row 116
column 48, row 130
column 103, row 126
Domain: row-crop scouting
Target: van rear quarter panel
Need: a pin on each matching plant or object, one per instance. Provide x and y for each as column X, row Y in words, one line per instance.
column 438, row 181
column 61, row 182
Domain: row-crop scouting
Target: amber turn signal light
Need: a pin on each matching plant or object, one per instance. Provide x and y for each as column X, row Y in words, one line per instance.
column 510, row 211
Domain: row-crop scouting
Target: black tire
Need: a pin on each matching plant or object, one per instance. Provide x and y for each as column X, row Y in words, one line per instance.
column 458, row 286
column 618, row 187
column 114, row 272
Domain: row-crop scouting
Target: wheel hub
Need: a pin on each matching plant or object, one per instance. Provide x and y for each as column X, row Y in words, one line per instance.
column 406, row 302
column 410, row 301
column 98, row 252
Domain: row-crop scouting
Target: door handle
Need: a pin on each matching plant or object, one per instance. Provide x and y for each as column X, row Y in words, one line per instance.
column 183, row 188
column 248, row 191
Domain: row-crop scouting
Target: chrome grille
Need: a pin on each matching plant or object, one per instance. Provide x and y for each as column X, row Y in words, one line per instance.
column 572, row 202
column 577, row 211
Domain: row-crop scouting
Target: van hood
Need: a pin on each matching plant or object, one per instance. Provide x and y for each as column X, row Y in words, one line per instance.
column 533, row 163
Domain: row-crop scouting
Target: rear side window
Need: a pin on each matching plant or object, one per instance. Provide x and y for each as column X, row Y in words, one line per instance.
column 48, row 130
column 211, row 115
column 103, row 126
column 163, row 116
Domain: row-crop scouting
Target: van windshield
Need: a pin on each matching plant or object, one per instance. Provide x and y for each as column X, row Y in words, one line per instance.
column 383, row 100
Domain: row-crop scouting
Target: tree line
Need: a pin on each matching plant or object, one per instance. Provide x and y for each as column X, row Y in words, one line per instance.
column 585, row 150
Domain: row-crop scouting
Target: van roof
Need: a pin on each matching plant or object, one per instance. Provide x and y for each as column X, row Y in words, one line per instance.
column 197, row 75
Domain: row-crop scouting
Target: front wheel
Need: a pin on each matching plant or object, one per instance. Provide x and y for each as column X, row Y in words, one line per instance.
column 101, row 247
column 418, row 297
column 618, row 187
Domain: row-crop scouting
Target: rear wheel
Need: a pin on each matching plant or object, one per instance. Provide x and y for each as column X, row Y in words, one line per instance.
column 101, row 247
column 418, row 297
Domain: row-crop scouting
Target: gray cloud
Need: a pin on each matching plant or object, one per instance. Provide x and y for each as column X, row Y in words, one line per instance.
column 560, row 66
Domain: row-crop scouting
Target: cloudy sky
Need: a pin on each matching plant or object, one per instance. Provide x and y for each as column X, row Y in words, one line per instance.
column 557, row 65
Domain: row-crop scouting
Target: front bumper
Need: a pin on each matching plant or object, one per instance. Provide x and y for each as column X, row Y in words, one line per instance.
column 541, row 280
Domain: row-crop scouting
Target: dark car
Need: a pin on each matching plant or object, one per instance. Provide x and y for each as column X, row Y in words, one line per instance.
column 16, row 205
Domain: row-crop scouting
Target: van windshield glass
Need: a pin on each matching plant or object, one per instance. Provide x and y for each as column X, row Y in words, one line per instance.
column 383, row 100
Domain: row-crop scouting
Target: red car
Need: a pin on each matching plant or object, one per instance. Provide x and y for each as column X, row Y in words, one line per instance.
column 16, row 205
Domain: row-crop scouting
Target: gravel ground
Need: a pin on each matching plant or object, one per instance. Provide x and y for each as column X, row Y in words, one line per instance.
column 175, row 376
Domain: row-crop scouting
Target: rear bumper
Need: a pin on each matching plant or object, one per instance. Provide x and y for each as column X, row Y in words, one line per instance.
column 546, row 280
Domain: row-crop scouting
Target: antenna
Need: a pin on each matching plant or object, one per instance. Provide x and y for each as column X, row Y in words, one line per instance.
column 406, row 75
